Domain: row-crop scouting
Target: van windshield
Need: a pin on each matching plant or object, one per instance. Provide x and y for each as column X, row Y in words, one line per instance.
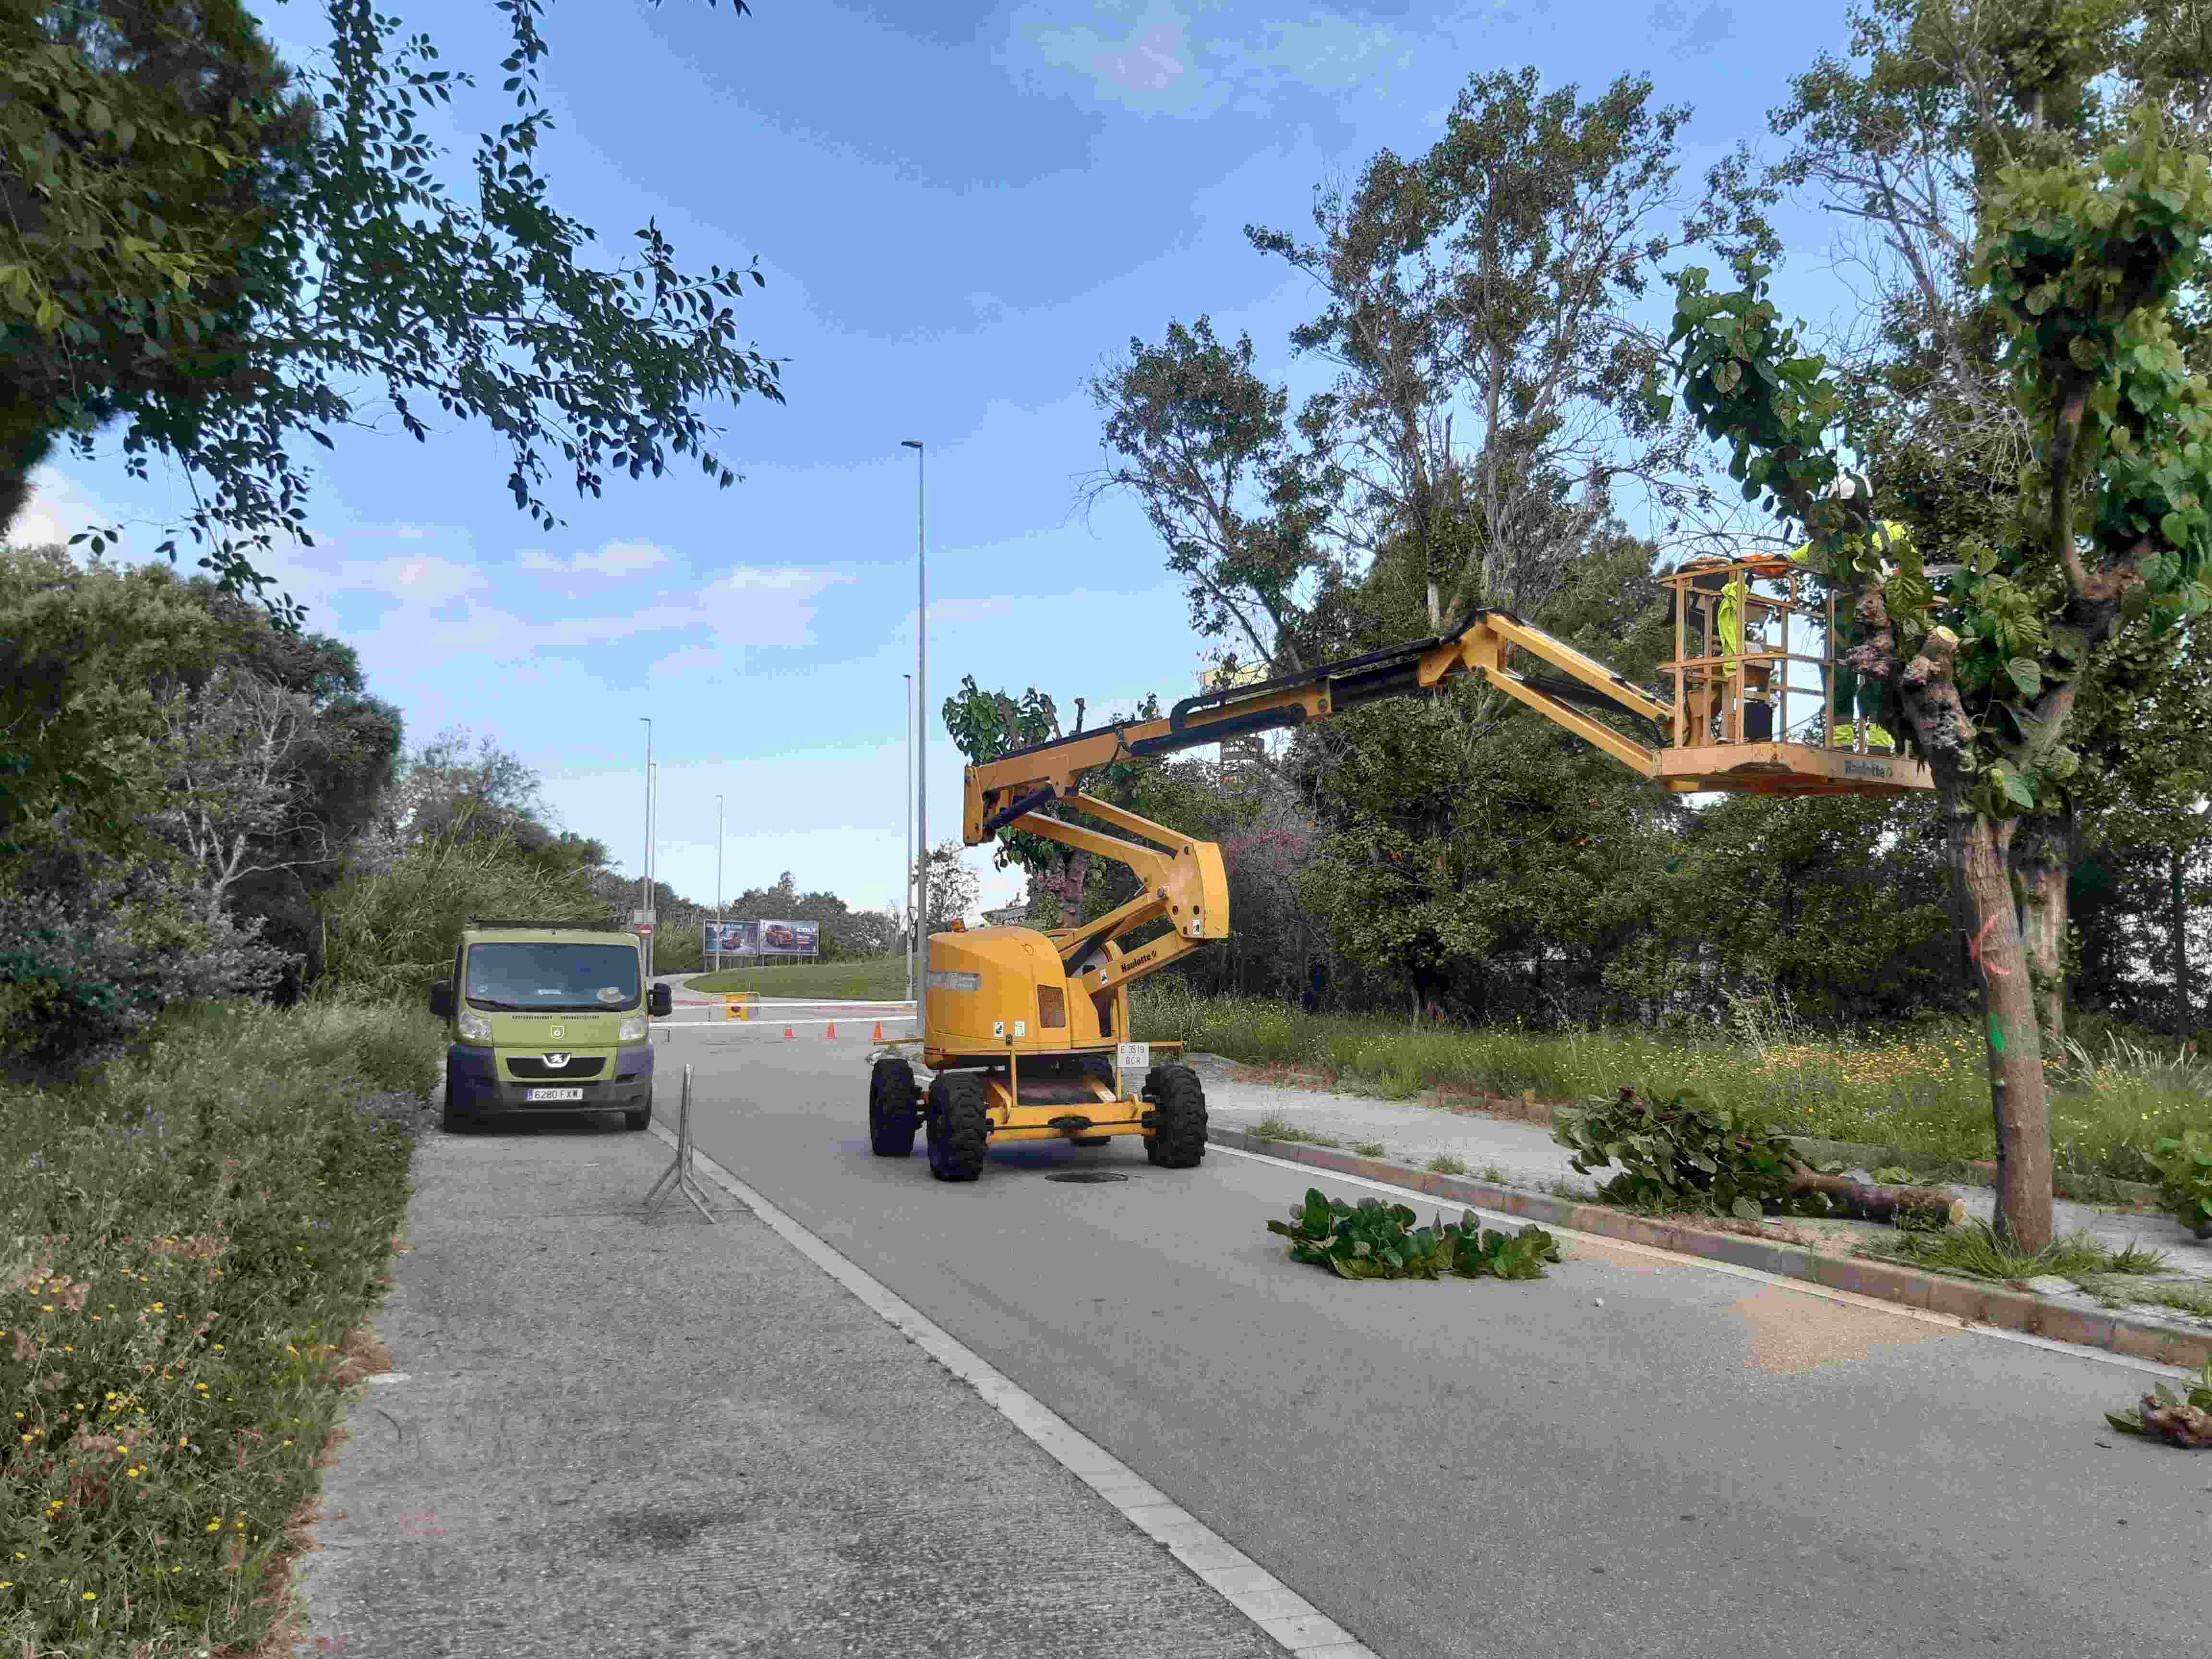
column 550, row 978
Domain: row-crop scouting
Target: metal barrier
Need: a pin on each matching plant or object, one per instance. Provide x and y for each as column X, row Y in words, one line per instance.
column 679, row 1177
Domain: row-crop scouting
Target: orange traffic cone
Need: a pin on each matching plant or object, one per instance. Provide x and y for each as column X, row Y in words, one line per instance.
column 787, row 1034
column 831, row 1032
column 879, row 1036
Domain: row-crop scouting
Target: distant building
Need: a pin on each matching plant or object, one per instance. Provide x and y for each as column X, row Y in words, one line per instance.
column 1008, row 916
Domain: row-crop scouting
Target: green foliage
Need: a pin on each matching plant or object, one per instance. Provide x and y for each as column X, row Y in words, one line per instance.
column 390, row 927
column 2183, row 1421
column 1274, row 1129
column 1976, row 1251
column 216, row 252
column 194, row 1231
column 2184, row 1164
column 1677, row 1153
column 1372, row 1240
column 2086, row 262
column 869, row 979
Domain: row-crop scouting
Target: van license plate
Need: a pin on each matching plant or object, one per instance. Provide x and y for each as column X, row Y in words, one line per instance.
column 554, row 1094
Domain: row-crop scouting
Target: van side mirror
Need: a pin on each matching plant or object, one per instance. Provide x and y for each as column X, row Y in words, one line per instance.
column 441, row 1000
column 660, row 1002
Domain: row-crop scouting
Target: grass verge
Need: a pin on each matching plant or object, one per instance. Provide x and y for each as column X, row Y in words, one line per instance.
column 1273, row 1128
column 1924, row 1092
column 870, row 979
column 1974, row 1251
column 196, row 1234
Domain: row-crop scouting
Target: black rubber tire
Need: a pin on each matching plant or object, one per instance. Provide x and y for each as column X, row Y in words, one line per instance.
column 891, row 1108
column 1089, row 1140
column 641, row 1117
column 1178, row 1103
column 457, row 1118
column 959, row 1126
column 1098, row 1066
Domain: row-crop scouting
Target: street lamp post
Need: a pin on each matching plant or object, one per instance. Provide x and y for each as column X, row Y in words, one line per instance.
column 718, row 881
column 905, row 895
column 921, row 701
column 652, row 849
column 645, row 886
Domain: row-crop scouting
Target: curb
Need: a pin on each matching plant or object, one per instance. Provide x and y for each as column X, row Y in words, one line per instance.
column 1977, row 1172
column 1969, row 1301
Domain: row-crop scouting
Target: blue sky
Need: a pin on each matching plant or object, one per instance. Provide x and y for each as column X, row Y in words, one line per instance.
column 961, row 210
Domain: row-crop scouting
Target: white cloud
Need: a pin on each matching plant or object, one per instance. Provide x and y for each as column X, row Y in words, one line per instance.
column 1156, row 57
column 614, row 559
column 1142, row 67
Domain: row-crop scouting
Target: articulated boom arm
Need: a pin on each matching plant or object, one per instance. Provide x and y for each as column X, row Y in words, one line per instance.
column 1015, row 785
column 1186, row 884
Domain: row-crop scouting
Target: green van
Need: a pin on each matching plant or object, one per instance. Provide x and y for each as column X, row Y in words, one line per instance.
column 547, row 1016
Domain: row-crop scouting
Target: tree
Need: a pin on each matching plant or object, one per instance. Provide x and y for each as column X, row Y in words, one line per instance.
column 985, row 724
column 1903, row 141
column 1984, row 663
column 234, row 754
column 224, row 255
column 1201, row 441
column 952, row 888
column 1477, row 308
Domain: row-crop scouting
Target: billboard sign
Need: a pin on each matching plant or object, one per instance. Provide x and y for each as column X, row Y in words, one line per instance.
column 790, row 939
column 761, row 938
column 730, row 938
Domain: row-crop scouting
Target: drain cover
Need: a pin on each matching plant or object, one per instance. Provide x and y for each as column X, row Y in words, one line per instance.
column 1087, row 1176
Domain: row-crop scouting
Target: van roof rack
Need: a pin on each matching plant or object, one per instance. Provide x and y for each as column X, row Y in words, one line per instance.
column 566, row 926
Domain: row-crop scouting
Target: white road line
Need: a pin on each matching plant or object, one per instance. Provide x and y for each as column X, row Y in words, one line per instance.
column 1293, row 1623
column 1851, row 1299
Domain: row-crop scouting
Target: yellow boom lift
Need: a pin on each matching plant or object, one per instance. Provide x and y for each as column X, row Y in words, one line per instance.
column 1021, row 1025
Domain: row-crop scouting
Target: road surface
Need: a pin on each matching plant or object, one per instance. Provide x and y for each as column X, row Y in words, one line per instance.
column 1629, row 1457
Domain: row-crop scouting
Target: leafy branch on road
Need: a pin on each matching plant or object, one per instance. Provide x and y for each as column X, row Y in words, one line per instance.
column 2162, row 1414
column 1372, row 1240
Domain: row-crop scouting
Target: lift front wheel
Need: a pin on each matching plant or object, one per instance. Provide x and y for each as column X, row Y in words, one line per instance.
column 891, row 1108
column 959, row 1126
column 1178, row 1114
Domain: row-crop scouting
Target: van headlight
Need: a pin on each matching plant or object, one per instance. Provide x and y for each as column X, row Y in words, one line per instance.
column 474, row 1028
column 632, row 1030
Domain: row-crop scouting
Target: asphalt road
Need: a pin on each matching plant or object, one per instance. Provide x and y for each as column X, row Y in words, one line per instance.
column 1626, row 1457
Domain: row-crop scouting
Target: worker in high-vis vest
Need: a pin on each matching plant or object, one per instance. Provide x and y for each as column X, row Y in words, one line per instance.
column 1858, row 700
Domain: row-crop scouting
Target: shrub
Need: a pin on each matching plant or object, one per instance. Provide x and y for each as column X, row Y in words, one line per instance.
column 82, row 973
column 195, row 1231
column 1679, row 1153
column 2184, row 1166
column 1372, row 1240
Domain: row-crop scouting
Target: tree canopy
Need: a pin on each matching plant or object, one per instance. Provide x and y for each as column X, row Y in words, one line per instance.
column 227, row 258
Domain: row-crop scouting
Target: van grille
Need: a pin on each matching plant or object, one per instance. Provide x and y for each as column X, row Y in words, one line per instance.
column 528, row 1066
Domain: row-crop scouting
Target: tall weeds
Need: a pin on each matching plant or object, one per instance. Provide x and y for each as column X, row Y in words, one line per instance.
column 1925, row 1090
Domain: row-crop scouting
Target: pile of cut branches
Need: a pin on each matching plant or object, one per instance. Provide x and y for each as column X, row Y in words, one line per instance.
column 1373, row 1240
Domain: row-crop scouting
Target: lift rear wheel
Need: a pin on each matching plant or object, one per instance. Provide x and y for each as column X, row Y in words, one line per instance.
column 959, row 1126
column 1178, row 1103
column 891, row 1108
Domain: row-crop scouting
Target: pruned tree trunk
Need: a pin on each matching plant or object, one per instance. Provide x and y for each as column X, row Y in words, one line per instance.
column 2042, row 859
column 1880, row 1203
column 1979, row 848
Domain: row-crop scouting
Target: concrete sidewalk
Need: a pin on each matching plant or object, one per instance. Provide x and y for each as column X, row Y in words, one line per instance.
column 609, row 1436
